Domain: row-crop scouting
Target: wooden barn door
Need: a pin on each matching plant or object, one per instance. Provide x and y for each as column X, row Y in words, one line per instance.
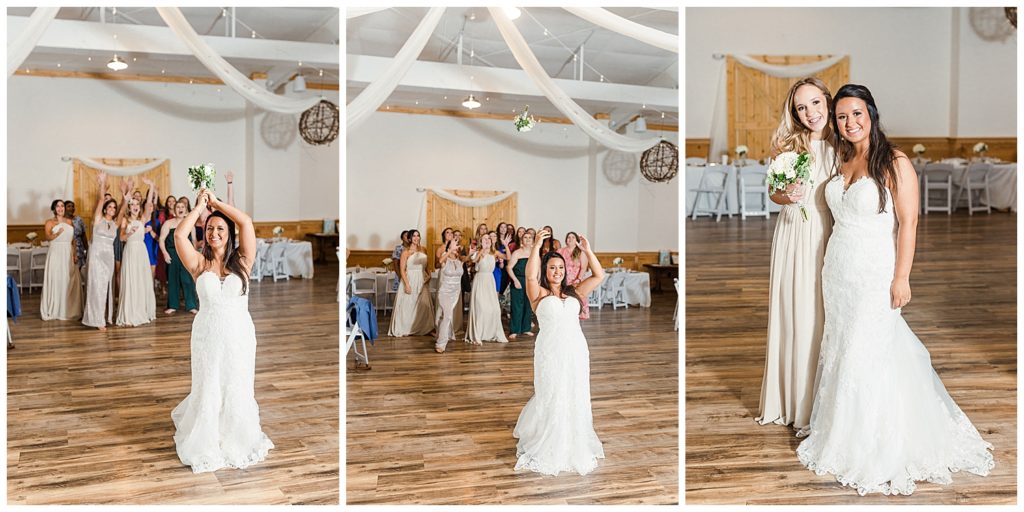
column 87, row 184
column 442, row 213
column 755, row 99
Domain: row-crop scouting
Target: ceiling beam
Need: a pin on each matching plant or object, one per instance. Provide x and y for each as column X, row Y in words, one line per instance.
column 363, row 69
column 79, row 36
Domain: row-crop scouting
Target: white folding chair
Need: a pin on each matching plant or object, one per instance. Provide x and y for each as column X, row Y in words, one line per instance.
column 675, row 314
column 14, row 264
column 751, row 183
column 37, row 268
column 976, row 181
column 364, row 284
column 712, row 189
column 617, row 290
column 938, row 177
column 353, row 334
column 275, row 256
column 391, row 285
column 256, row 272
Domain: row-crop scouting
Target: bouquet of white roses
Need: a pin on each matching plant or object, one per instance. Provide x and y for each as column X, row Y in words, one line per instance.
column 278, row 230
column 980, row 147
column 202, row 176
column 919, row 149
column 31, row 236
column 617, row 261
column 741, row 151
column 789, row 168
column 524, row 121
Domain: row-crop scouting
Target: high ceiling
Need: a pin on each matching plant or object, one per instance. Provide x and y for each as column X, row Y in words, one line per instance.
column 553, row 34
column 301, row 24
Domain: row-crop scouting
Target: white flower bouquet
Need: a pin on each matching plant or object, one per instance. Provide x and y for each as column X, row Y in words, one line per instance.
column 387, row 261
column 202, row 176
column 32, row 235
column 523, row 121
column 617, row 261
column 789, row 168
column 741, row 151
column 278, row 230
column 919, row 149
column 980, row 148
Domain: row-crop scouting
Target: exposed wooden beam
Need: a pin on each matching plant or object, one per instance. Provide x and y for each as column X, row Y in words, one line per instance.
column 147, row 78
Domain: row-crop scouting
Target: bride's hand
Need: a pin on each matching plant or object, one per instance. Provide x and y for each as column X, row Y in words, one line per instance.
column 202, row 198
column 899, row 292
column 584, row 243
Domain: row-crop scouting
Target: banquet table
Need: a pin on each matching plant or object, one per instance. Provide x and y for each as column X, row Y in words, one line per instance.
column 25, row 261
column 298, row 257
column 637, row 286
column 1002, row 181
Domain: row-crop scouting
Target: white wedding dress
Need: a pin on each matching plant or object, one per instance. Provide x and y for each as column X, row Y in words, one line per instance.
column 556, row 427
column 218, row 423
column 881, row 418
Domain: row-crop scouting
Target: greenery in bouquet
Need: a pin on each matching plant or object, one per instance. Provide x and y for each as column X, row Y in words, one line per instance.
column 202, row 176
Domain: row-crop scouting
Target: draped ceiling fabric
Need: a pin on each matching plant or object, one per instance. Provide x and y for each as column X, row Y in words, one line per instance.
column 355, row 12
column 18, row 47
column 581, row 118
column 374, row 95
column 720, row 114
column 615, row 23
column 248, row 89
column 470, row 202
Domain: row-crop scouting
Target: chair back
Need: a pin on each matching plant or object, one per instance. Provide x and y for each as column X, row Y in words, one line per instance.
column 753, row 176
column 38, row 257
column 976, row 171
column 364, row 282
column 939, row 172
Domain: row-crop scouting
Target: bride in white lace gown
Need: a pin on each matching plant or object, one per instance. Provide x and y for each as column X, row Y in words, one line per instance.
column 218, row 423
column 881, row 418
column 556, row 427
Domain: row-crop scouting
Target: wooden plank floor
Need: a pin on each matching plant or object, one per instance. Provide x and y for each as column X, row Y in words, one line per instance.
column 89, row 413
column 964, row 310
column 428, row 428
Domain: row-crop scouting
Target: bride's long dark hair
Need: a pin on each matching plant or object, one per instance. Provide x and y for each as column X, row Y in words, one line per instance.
column 232, row 258
column 881, row 153
column 567, row 289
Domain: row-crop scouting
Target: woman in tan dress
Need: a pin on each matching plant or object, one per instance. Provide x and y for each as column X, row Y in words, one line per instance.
column 62, row 284
column 414, row 311
column 484, row 310
column 796, row 315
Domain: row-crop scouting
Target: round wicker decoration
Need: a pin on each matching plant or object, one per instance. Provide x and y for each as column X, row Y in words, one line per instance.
column 319, row 124
column 660, row 163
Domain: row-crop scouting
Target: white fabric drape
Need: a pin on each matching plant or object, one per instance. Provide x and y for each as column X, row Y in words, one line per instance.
column 611, row 21
column 19, row 46
column 371, row 98
column 471, row 202
column 248, row 89
column 720, row 115
column 528, row 61
column 355, row 12
column 122, row 171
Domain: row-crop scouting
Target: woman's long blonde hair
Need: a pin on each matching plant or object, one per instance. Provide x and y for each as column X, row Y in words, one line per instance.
column 792, row 135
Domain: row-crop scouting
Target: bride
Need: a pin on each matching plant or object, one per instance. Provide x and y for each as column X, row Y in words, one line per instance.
column 556, row 428
column 218, row 423
column 881, row 418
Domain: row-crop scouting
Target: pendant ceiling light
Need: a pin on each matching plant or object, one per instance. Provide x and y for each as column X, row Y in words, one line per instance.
column 471, row 102
column 117, row 64
column 641, row 125
column 299, row 84
column 512, row 12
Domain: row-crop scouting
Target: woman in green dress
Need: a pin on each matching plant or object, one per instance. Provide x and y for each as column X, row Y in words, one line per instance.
column 522, row 317
column 179, row 280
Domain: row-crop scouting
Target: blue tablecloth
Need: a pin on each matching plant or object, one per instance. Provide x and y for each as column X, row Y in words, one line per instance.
column 13, row 299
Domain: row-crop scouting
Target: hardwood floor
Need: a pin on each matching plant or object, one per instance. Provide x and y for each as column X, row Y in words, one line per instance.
column 88, row 413
column 964, row 311
column 428, row 428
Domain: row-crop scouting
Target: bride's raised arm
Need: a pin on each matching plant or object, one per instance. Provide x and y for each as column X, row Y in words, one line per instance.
column 533, row 270
column 187, row 253
column 591, row 283
column 246, row 231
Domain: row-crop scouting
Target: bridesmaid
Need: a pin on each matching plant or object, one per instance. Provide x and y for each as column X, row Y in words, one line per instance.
column 576, row 265
column 136, row 304
column 152, row 232
column 522, row 316
column 446, row 235
column 179, row 279
column 500, row 256
column 99, row 299
column 448, row 292
column 796, row 314
column 62, row 284
column 484, row 310
column 549, row 244
column 165, row 214
column 414, row 312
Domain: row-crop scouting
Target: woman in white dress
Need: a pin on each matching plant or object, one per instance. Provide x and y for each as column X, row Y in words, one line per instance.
column 556, row 427
column 796, row 315
column 882, row 418
column 62, row 284
column 448, row 290
column 484, row 310
column 136, row 303
column 99, row 298
column 218, row 424
column 414, row 309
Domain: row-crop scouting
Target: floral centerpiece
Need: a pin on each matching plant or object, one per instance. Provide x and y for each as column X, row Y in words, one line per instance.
column 31, row 236
column 790, row 168
column 919, row 149
column 980, row 148
column 617, row 261
column 523, row 121
column 202, row 176
column 278, row 230
column 741, row 151
column 387, row 262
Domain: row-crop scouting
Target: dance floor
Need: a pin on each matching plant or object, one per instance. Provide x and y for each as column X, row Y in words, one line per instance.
column 89, row 413
column 964, row 310
column 428, row 428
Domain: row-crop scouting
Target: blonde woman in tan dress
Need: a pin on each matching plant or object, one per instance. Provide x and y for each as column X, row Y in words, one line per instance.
column 414, row 310
column 796, row 315
column 484, row 310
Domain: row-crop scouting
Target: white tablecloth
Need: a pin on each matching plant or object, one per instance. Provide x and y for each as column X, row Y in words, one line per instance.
column 298, row 257
column 637, row 286
column 24, row 261
column 1002, row 181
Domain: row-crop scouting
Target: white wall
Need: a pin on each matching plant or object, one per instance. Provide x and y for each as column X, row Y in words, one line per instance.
column 53, row 117
column 904, row 55
column 391, row 155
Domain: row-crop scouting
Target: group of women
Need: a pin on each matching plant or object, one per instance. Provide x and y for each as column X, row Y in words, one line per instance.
column 842, row 365
column 131, row 255
column 493, row 263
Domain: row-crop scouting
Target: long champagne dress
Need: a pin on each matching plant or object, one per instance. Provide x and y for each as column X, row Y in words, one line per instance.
column 414, row 312
column 448, row 292
column 62, row 284
column 99, row 299
column 484, row 311
column 136, row 301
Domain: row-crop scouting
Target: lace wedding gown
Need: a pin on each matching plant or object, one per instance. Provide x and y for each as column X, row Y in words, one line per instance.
column 556, row 427
column 882, row 418
column 218, row 423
